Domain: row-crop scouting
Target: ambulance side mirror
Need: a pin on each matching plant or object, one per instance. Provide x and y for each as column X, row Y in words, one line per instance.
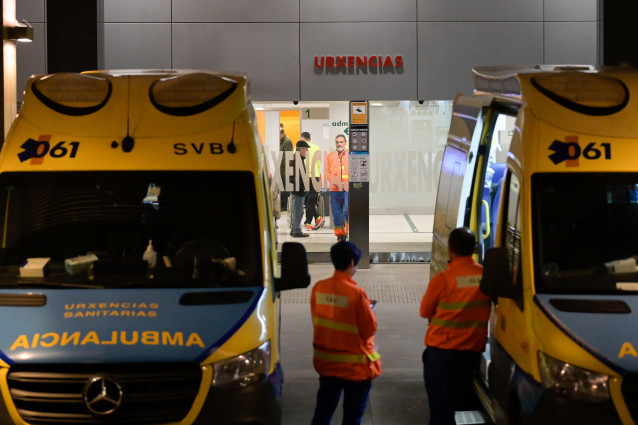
column 294, row 267
column 497, row 278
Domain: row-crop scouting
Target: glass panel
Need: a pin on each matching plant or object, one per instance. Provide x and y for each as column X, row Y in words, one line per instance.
column 203, row 233
column 406, row 149
column 585, row 227
column 450, row 189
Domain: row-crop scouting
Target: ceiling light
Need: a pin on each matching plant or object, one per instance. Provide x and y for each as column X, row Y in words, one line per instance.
column 20, row 33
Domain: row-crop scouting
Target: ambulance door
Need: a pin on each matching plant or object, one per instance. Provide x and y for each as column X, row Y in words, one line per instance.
column 453, row 201
column 509, row 347
column 498, row 129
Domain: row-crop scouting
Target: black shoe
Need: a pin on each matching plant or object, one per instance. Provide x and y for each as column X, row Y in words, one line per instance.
column 299, row 234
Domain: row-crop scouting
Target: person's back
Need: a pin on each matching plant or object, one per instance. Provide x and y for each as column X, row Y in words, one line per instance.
column 343, row 339
column 458, row 313
column 459, row 302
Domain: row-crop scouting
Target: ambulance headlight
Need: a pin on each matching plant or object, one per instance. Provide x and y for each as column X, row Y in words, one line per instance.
column 243, row 370
column 572, row 381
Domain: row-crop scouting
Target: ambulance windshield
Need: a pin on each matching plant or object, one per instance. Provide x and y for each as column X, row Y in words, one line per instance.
column 130, row 229
column 585, row 228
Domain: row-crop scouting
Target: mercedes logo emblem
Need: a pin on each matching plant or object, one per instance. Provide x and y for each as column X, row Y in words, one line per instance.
column 102, row 395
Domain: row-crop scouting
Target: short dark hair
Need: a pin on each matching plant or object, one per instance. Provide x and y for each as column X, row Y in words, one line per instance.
column 462, row 241
column 342, row 253
column 305, row 135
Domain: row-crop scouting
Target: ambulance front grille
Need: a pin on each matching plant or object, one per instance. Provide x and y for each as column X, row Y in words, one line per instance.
column 106, row 393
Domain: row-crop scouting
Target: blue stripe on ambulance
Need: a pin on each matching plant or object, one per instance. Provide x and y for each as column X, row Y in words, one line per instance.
column 120, row 325
column 598, row 333
column 233, row 329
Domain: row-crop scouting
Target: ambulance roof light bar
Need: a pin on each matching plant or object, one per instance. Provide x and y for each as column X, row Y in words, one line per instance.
column 72, row 94
column 188, row 94
column 503, row 80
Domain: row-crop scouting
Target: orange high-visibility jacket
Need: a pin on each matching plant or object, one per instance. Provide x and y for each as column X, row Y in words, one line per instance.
column 457, row 310
column 344, row 327
column 337, row 170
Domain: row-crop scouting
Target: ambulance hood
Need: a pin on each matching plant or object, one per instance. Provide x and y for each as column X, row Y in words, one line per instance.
column 602, row 325
column 115, row 325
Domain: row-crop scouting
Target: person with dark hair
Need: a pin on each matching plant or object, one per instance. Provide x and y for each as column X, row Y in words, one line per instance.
column 343, row 340
column 458, row 313
column 314, row 188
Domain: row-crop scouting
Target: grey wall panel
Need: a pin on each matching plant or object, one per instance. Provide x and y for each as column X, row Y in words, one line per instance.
column 31, row 10
column 235, row 11
column 449, row 51
column 480, row 10
column 137, row 46
column 571, row 10
column 571, row 42
column 268, row 53
column 364, row 40
column 30, row 58
column 137, row 10
column 357, row 10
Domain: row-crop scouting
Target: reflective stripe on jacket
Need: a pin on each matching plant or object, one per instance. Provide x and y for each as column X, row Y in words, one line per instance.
column 313, row 161
column 344, row 326
column 337, row 170
column 457, row 310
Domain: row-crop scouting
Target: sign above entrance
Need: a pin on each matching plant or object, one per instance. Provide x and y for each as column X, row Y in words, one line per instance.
column 361, row 62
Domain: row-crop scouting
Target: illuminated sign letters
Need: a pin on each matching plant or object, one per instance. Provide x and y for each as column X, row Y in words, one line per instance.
column 372, row 63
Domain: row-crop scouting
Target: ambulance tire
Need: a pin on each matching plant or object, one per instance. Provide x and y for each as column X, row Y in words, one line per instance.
column 515, row 413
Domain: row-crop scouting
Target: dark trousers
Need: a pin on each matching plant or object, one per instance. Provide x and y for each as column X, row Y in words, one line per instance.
column 283, row 198
column 448, row 382
column 355, row 399
column 311, row 205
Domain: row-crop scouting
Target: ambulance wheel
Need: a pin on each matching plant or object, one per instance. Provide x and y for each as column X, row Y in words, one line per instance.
column 515, row 414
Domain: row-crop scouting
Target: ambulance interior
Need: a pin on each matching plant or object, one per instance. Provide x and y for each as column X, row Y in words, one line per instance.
column 199, row 236
column 499, row 144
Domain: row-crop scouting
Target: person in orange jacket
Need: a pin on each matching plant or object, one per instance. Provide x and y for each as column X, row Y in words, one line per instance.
column 337, row 173
column 343, row 339
column 458, row 313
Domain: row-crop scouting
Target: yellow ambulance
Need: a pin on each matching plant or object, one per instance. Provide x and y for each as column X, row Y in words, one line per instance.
column 542, row 163
column 138, row 256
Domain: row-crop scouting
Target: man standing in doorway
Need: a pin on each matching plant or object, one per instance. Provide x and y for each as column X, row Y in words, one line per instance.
column 314, row 170
column 337, row 175
column 458, row 313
